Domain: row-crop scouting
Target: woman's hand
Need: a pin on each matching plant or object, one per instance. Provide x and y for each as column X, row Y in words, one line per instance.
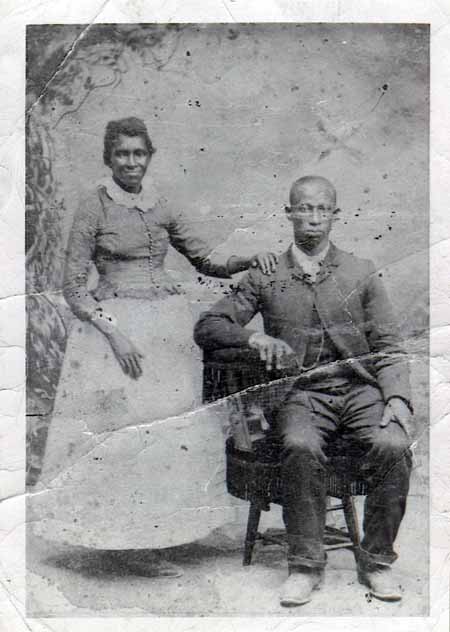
column 267, row 261
column 128, row 356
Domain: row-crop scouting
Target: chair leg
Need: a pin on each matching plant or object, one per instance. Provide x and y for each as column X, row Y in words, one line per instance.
column 254, row 516
column 351, row 518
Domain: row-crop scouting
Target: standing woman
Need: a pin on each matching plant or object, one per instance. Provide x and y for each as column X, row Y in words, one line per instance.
column 129, row 463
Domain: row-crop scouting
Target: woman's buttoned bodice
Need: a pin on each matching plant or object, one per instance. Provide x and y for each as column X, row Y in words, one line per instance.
column 128, row 242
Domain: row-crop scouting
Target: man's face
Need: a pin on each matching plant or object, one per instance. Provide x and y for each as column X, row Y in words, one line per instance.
column 129, row 161
column 311, row 214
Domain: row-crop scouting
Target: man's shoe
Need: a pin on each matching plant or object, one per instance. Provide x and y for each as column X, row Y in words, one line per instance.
column 298, row 587
column 381, row 583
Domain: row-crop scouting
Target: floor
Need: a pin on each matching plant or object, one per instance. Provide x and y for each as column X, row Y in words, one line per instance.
column 74, row 582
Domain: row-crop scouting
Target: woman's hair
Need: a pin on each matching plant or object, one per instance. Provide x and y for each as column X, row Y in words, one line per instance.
column 130, row 126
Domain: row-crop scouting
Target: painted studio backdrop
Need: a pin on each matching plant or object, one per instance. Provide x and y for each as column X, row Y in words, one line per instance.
column 236, row 112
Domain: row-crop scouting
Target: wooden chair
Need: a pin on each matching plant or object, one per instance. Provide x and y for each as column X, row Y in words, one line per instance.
column 255, row 476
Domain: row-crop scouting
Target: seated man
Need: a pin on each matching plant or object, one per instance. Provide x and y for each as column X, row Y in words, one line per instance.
column 327, row 310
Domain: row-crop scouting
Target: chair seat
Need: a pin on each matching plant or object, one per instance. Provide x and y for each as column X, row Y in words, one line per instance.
column 251, row 478
column 256, row 476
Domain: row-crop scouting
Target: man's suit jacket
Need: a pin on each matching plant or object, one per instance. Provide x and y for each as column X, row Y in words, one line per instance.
column 352, row 304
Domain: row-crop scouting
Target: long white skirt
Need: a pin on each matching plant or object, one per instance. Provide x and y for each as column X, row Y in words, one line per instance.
column 132, row 463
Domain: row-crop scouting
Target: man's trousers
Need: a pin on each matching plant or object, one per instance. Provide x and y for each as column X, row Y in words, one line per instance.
column 308, row 422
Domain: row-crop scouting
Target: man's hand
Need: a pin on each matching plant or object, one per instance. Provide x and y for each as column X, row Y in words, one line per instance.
column 274, row 352
column 267, row 261
column 128, row 356
column 397, row 410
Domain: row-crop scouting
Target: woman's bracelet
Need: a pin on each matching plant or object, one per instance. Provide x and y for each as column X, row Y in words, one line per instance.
column 100, row 316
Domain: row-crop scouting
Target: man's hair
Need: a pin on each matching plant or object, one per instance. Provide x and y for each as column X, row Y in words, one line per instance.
column 130, row 126
column 306, row 181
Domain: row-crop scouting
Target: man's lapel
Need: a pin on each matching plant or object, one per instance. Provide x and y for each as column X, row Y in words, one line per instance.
column 337, row 315
column 332, row 303
column 329, row 264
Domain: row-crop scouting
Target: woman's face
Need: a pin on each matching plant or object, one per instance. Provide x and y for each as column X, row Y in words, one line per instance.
column 129, row 161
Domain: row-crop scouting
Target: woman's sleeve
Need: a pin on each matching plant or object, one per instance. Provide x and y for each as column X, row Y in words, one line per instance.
column 80, row 253
column 183, row 237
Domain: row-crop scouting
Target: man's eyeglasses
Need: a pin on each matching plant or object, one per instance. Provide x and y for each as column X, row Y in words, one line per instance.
column 307, row 210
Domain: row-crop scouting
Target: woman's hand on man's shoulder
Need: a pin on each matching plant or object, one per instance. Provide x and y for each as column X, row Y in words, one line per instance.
column 266, row 261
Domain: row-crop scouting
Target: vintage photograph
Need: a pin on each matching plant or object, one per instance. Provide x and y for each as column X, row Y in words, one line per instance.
column 227, row 253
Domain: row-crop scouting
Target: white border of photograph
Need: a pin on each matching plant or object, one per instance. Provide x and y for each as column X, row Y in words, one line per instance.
column 14, row 15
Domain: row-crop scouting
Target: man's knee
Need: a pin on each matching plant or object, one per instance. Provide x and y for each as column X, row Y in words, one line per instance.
column 391, row 442
column 302, row 444
column 300, row 434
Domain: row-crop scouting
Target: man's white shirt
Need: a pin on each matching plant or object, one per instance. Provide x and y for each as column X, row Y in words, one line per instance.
column 310, row 264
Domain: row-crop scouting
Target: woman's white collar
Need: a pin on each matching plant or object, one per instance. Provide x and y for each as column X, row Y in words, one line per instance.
column 145, row 200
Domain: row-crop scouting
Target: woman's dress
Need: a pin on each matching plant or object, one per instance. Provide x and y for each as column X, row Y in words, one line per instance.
column 131, row 463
